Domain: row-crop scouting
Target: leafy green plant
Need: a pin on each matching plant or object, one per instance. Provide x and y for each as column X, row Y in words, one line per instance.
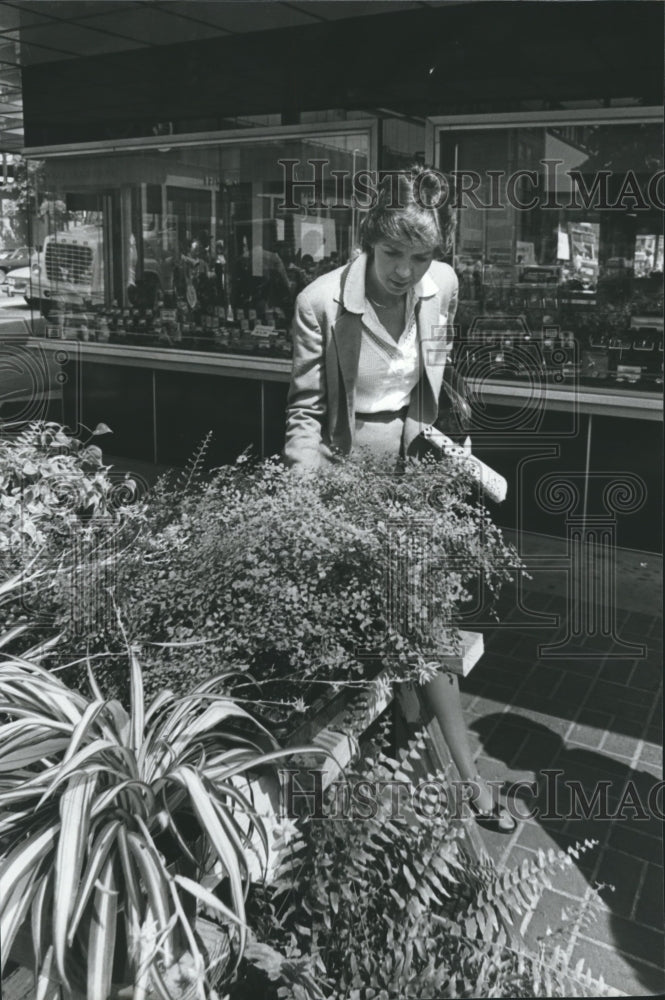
column 115, row 825
column 50, row 481
column 11, row 636
column 60, row 511
column 304, row 580
column 384, row 902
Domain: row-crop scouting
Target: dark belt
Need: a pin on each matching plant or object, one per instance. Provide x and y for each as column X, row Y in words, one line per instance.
column 383, row 416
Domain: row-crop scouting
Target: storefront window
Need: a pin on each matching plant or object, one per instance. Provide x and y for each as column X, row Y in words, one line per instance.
column 559, row 248
column 200, row 247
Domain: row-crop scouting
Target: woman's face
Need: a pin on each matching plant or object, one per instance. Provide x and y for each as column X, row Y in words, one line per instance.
column 397, row 267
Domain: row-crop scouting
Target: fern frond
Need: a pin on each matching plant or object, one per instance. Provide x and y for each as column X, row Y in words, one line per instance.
column 514, row 892
column 191, row 473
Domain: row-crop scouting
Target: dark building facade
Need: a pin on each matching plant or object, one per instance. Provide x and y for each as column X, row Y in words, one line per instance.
column 172, row 257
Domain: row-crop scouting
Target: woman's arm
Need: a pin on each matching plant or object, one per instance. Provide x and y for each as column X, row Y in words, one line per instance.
column 306, row 402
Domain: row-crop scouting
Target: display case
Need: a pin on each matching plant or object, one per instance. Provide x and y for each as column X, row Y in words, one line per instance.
column 559, row 246
column 198, row 242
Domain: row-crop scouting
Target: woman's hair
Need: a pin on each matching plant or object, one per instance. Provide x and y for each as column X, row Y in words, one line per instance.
column 413, row 207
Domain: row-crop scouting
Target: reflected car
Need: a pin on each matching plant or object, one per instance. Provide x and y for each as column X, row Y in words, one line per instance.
column 28, row 282
column 18, row 257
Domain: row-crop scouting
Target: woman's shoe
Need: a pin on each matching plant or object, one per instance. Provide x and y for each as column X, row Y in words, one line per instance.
column 498, row 819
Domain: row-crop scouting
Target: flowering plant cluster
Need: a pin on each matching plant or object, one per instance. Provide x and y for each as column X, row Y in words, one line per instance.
column 303, row 581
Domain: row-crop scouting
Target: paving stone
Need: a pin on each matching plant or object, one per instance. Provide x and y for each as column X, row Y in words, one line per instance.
column 581, row 830
column 513, row 776
column 534, row 598
column 640, row 624
column 571, row 881
column 587, row 735
column 588, row 812
column 604, row 709
column 521, row 803
column 535, row 835
column 539, row 751
column 619, row 694
column 526, row 610
column 543, row 680
column 657, row 619
column 515, row 856
column 622, row 872
column 643, row 943
column 552, row 913
column 589, row 647
column 574, row 832
column 630, row 727
column 650, row 908
column 641, row 807
column 618, row 757
column 502, row 740
column 529, row 628
column 624, row 711
column 654, row 655
column 655, row 770
column 552, row 725
column 590, row 716
column 625, row 838
column 628, row 975
column 590, row 766
column 618, row 671
column 624, row 746
column 629, row 633
column 647, row 676
column 624, row 651
column 508, row 668
column 629, row 646
column 572, row 688
column 501, row 641
column 494, row 687
column 582, row 668
column 473, row 684
column 466, row 699
column 651, row 753
column 654, row 733
column 528, row 642
column 490, row 767
column 483, row 706
column 495, row 842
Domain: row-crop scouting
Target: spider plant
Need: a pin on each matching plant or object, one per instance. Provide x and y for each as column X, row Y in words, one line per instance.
column 110, row 820
column 10, row 590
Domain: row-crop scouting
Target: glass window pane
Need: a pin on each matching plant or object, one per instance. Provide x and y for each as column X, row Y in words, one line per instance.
column 559, row 244
column 200, row 247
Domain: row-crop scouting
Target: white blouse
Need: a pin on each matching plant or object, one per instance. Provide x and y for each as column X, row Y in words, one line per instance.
column 388, row 371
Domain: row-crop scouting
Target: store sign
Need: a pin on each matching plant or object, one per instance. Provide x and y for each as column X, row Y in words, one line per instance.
column 208, row 181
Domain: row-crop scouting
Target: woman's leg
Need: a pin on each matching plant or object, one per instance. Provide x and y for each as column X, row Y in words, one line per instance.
column 441, row 696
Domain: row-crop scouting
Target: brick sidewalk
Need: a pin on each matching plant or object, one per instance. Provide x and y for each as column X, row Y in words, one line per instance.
column 594, row 715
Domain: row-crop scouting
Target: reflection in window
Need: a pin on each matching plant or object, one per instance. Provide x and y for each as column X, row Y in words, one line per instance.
column 196, row 247
column 559, row 250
